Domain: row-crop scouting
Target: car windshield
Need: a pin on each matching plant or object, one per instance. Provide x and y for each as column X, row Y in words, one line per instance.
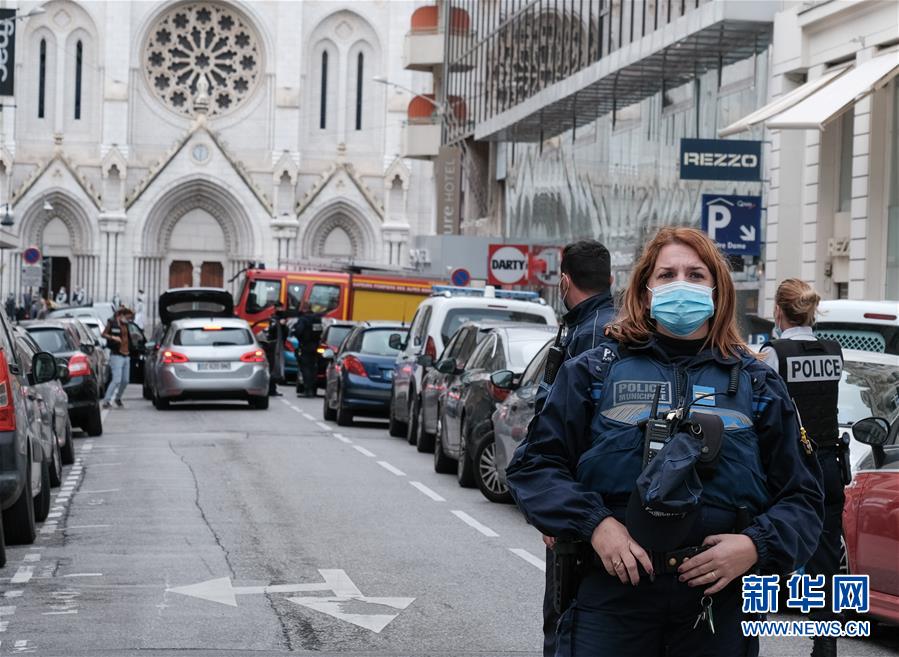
column 458, row 316
column 375, row 341
column 335, row 335
column 212, row 337
column 522, row 352
column 51, row 339
column 868, row 389
column 262, row 293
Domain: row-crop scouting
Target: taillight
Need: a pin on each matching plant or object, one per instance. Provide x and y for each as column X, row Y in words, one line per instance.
column 169, row 357
column 499, row 394
column 354, row 366
column 7, row 409
column 888, row 318
column 431, row 348
column 257, row 356
column 79, row 365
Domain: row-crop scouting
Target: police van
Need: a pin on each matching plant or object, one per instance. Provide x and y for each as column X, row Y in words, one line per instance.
column 862, row 325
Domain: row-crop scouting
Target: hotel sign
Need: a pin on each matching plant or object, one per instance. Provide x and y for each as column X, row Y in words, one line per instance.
column 448, row 174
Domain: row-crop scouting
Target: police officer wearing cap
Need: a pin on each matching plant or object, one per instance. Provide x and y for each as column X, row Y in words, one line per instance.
column 585, row 290
column 672, row 509
column 812, row 369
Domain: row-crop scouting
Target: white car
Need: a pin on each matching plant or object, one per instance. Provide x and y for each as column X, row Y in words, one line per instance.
column 865, row 325
column 436, row 320
column 869, row 387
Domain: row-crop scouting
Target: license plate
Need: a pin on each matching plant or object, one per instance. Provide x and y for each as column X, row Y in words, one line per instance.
column 213, row 367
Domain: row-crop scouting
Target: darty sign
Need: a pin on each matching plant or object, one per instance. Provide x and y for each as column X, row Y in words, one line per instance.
column 507, row 264
column 720, row 159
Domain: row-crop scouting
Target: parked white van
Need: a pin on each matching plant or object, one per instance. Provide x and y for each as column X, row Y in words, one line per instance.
column 864, row 325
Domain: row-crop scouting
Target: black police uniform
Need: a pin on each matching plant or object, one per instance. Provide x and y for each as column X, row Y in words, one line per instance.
column 811, row 369
column 274, row 348
column 308, row 332
column 585, row 325
column 584, row 455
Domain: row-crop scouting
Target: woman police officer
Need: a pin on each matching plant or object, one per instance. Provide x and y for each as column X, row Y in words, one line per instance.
column 811, row 369
column 582, row 473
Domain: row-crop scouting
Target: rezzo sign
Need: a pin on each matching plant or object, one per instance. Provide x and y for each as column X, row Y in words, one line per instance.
column 720, row 159
column 7, row 51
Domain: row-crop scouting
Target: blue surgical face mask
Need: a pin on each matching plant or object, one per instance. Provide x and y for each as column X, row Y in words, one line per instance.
column 681, row 307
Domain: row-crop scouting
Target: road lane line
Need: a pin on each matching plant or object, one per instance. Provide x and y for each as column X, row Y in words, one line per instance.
column 58, row 514
column 390, row 468
column 471, row 522
column 95, row 465
column 84, row 575
column 88, row 527
column 362, row 450
column 97, row 492
column 530, row 558
column 324, row 426
column 60, row 613
column 8, row 610
column 32, row 557
column 13, row 594
column 307, row 416
column 23, row 575
column 427, row 491
column 343, row 438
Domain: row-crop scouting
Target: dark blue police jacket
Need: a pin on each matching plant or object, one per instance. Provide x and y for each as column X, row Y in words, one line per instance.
column 586, row 323
column 585, row 449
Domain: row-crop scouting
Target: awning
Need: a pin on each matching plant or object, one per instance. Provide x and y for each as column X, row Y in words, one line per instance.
column 782, row 103
column 830, row 101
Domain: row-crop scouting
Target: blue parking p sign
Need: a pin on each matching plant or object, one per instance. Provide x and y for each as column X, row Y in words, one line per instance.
column 733, row 222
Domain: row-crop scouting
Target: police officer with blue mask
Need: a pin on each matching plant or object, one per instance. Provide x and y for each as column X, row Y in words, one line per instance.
column 610, row 462
column 585, row 291
column 812, row 369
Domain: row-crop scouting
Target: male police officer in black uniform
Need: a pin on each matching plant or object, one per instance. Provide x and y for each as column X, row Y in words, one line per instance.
column 585, row 289
column 308, row 332
column 812, row 369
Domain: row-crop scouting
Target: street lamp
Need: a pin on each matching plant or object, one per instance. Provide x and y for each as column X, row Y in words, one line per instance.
column 7, row 218
column 48, row 207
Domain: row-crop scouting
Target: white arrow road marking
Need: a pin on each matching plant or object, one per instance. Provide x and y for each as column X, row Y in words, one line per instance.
column 334, row 607
column 346, row 597
column 747, row 233
column 220, row 590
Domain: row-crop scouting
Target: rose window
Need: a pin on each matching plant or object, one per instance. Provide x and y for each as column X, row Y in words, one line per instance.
column 197, row 41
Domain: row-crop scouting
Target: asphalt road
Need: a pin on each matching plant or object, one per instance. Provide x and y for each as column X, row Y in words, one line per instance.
column 219, row 530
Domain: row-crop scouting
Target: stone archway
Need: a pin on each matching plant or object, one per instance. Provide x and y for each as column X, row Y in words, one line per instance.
column 59, row 225
column 197, row 233
column 339, row 232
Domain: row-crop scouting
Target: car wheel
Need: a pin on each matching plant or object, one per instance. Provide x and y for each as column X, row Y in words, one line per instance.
column 18, row 520
column 412, row 424
column 485, row 474
column 425, row 441
column 259, row 403
column 396, row 428
column 442, row 463
column 145, row 391
column 68, row 450
column 464, row 466
column 344, row 414
column 94, row 424
column 2, row 547
column 56, row 464
column 160, row 403
column 328, row 413
column 42, row 501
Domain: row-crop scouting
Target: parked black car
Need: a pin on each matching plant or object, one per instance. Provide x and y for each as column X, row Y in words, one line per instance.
column 62, row 339
column 469, row 401
column 449, row 367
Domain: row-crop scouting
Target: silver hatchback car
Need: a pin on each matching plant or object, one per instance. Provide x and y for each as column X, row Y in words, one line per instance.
column 211, row 358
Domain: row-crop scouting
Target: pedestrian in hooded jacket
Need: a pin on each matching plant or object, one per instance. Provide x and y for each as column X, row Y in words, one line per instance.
column 581, row 471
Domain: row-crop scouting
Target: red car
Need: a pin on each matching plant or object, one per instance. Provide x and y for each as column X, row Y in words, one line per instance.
column 871, row 516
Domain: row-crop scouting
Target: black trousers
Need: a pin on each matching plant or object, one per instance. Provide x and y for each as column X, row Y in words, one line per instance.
column 307, row 366
column 826, row 558
column 550, row 615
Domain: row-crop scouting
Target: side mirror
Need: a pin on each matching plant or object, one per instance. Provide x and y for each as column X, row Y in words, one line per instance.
column 395, row 341
column 872, row 431
column 425, row 360
column 503, row 379
column 446, row 366
column 149, row 346
column 87, row 347
column 62, row 372
column 328, row 354
column 43, row 367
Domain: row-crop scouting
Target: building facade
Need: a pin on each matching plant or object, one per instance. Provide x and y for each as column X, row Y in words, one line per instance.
column 159, row 144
